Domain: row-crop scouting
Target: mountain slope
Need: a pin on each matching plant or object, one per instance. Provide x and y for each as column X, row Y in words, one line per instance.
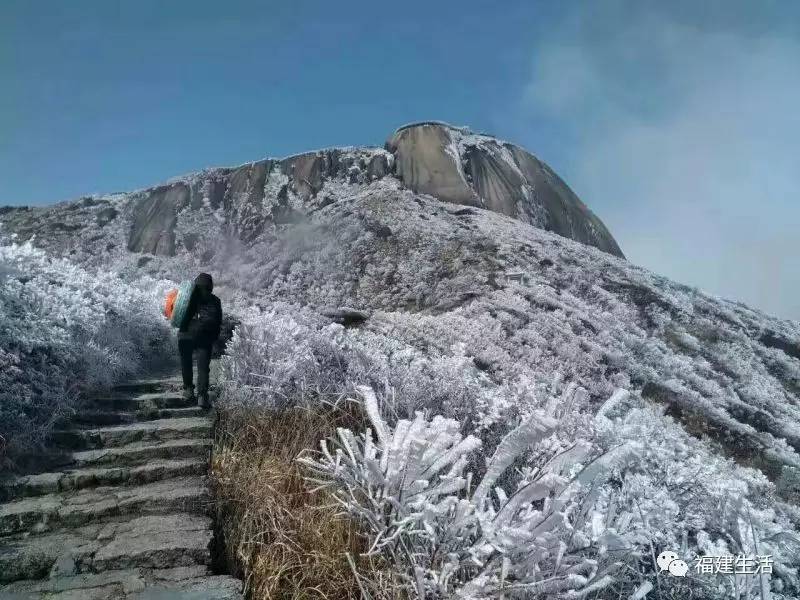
column 555, row 303
column 461, row 279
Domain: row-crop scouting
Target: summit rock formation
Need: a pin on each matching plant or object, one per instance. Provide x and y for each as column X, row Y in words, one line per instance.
column 457, row 166
column 448, row 163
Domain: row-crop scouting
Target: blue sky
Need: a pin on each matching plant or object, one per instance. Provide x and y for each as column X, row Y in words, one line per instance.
column 676, row 122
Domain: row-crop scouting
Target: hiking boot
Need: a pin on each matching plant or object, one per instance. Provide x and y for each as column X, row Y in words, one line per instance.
column 188, row 394
column 203, row 401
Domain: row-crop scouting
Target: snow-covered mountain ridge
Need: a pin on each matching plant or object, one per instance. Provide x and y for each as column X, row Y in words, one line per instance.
column 448, row 163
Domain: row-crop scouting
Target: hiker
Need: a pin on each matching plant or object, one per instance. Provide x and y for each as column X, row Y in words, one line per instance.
column 197, row 334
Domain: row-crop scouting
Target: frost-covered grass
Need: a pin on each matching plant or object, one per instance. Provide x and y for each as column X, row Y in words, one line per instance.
column 63, row 332
column 455, row 537
column 660, row 489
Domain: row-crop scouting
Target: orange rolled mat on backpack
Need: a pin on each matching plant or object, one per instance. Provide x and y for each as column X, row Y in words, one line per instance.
column 176, row 304
column 169, row 304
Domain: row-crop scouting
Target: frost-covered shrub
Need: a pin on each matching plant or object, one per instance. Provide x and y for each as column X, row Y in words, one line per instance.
column 288, row 356
column 595, row 500
column 64, row 331
column 454, row 538
column 671, row 494
column 282, row 358
column 684, row 496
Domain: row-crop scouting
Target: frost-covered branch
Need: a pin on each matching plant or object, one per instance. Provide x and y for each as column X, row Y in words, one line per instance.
column 408, row 487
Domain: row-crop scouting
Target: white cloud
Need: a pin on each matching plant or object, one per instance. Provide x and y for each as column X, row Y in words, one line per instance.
column 688, row 140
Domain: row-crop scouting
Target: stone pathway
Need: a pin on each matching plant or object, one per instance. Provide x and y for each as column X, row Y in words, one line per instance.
column 129, row 518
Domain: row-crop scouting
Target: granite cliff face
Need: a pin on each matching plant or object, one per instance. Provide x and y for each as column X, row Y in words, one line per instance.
column 457, row 166
column 450, row 164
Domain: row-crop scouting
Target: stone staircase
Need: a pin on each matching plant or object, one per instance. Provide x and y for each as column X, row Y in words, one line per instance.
column 128, row 517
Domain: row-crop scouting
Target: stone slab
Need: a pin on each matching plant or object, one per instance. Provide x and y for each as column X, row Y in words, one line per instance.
column 42, row 513
column 138, row 453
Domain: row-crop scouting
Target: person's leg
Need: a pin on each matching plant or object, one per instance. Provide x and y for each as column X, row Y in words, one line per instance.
column 203, row 368
column 185, row 348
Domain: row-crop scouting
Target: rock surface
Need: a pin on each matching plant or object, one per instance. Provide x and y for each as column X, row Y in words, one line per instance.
column 345, row 316
column 457, row 166
column 428, row 162
column 128, row 518
column 448, row 163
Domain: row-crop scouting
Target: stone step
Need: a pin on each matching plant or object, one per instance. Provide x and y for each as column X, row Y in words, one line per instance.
column 179, row 583
column 128, row 518
column 33, row 557
column 138, row 453
column 101, row 418
column 149, row 386
column 49, row 483
column 74, row 509
column 144, row 542
column 142, row 402
column 176, row 540
column 160, row 430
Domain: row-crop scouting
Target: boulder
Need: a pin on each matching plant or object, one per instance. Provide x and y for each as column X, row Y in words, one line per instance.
column 345, row 316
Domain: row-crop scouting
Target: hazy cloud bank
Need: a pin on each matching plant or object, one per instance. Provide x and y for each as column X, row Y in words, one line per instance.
column 684, row 135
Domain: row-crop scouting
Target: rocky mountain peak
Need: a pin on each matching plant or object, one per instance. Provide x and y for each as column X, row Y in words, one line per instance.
column 448, row 163
column 462, row 167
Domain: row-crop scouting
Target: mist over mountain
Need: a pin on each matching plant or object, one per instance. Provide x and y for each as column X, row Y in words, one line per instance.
column 459, row 247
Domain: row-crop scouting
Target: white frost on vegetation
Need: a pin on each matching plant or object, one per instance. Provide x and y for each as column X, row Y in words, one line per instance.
column 64, row 331
column 485, row 320
column 410, row 491
column 629, row 479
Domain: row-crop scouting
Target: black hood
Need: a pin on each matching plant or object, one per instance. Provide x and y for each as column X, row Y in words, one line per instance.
column 205, row 281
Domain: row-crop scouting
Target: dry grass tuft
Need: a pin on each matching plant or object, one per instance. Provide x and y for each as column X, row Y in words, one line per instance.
column 285, row 541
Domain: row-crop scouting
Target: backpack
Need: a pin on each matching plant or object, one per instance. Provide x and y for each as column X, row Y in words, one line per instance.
column 176, row 304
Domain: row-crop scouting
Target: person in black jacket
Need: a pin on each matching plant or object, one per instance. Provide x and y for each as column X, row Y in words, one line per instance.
column 197, row 334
